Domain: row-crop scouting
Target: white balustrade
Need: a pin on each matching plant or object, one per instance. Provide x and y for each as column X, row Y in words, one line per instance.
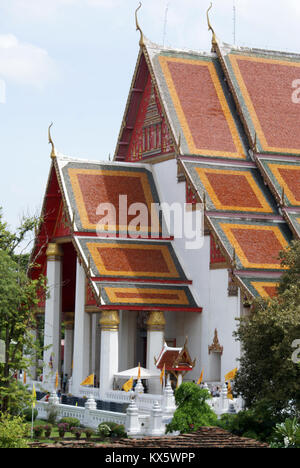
column 146, row 414
column 87, row 417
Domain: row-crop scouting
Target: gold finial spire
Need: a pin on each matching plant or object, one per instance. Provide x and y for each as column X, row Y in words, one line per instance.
column 282, row 197
column 73, row 219
column 234, row 259
column 138, row 28
column 204, row 200
column 179, row 143
column 210, row 28
column 53, row 151
column 255, row 149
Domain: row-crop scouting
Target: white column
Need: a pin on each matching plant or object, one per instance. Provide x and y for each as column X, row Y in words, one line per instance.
column 132, row 425
column 81, row 352
column 94, row 340
column 52, row 326
column 155, row 340
column 179, row 379
column 68, row 344
column 169, row 405
column 109, row 352
column 97, row 348
column 156, row 426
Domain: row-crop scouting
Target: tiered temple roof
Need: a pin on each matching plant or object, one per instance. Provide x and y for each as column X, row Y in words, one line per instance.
column 233, row 123
column 176, row 359
column 230, row 118
column 126, row 267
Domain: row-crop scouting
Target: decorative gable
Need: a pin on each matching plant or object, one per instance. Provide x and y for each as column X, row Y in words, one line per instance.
column 150, row 136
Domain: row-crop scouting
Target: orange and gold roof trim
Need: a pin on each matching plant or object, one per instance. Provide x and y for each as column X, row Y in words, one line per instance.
column 265, row 87
column 192, row 85
column 151, row 296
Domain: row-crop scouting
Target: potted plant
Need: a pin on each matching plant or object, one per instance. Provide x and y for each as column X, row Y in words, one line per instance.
column 62, row 429
column 88, row 432
column 48, row 429
column 71, row 422
column 77, row 431
column 37, row 431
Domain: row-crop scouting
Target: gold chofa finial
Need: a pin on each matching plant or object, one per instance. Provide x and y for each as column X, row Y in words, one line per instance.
column 138, row 28
column 255, row 148
column 53, row 152
column 179, row 143
column 234, row 259
column 282, row 197
column 210, row 28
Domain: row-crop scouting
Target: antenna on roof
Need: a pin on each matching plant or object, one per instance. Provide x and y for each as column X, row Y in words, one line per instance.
column 53, row 151
column 165, row 24
column 138, row 28
column 234, row 23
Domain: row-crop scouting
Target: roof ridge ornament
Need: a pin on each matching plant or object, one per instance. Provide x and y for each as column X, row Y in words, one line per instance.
column 255, row 149
column 138, row 28
column 283, row 197
column 179, row 144
column 210, row 28
column 53, row 151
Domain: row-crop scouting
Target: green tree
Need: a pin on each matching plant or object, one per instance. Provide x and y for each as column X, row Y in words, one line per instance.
column 19, row 297
column 192, row 410
column 267, row 371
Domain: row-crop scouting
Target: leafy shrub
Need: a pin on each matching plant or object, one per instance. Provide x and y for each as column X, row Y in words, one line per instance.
column 250, row 435
column 111, row 429
column 119, row 431
column 104, row 430
column 71, row 422
column 13, row 432
column 192, row 411
column 27, row 414
column 111, row 425
column 287, row 434
column 260, row 420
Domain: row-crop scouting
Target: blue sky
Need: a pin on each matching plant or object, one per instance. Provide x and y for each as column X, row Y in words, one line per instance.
column 71, row 62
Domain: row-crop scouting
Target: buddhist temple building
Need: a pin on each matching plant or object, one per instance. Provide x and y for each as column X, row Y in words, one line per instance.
column 211, row 133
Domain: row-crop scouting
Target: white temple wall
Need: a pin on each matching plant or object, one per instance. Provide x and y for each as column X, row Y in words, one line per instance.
column 222, row 313
column 209, row 288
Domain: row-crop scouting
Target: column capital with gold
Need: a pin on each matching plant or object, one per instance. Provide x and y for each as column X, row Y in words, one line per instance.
column 109, row 320
column 156, row 321
column 54, row 252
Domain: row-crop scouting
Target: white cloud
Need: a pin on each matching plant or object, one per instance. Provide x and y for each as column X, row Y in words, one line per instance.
column 25, row 63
